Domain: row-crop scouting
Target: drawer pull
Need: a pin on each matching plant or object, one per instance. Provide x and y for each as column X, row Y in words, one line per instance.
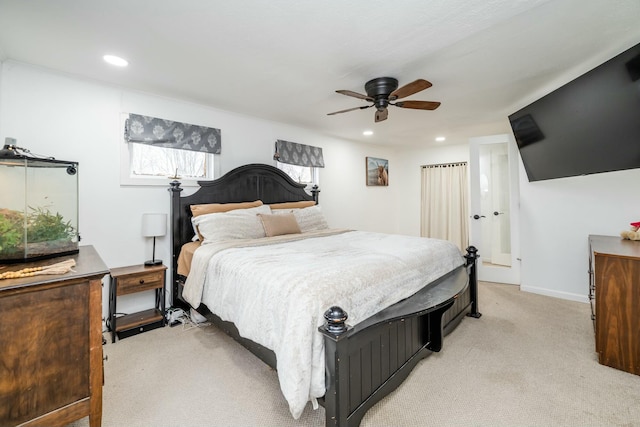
column 141, row 281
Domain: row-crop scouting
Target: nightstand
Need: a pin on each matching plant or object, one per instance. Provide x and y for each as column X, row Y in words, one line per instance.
column 133, row 279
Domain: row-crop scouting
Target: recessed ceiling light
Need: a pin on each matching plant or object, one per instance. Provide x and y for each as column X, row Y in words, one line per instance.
column 440, row 138
column 367, row 132
column 115, row 60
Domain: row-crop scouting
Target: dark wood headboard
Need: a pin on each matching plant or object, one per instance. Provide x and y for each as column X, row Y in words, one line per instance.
column 243, row 184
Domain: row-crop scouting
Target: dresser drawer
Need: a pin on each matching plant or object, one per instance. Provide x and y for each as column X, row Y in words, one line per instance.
column 140, row 282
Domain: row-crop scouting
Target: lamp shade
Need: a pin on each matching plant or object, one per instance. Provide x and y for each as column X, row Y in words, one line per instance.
column 154, row 224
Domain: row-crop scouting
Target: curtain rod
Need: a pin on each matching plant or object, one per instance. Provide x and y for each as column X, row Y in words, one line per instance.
column 444, row 165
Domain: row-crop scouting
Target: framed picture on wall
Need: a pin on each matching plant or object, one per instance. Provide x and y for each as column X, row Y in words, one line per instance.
column 377, row 171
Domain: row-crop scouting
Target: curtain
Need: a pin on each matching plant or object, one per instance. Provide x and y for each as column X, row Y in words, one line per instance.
column 445, row 203
column 298, row 154
column 169, row 134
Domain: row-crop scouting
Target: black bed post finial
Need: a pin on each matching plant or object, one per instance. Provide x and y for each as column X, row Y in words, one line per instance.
column 472, row 258
column 175, row 186
column 315, row 192
column 336, row 318
column 472, row 254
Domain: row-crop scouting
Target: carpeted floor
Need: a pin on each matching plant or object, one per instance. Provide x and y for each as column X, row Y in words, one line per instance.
column 528, row 361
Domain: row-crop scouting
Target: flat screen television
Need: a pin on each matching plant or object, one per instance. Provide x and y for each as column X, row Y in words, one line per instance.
column 590, row 125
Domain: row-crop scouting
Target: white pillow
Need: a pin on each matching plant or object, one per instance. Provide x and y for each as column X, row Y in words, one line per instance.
column 310, row 219
column 283, row 211
column 236, row 224
column 198, row 219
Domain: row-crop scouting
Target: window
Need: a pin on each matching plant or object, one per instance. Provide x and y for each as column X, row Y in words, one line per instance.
column 147, row 165
column 301, row 162
column 301, row 174
column 143, row 164
column 150, row 161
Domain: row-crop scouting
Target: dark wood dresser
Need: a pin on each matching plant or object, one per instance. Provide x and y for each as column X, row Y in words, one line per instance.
column 614, row 290
column 51, row 344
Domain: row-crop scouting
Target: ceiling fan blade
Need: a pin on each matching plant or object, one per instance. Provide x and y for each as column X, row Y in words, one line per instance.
column 349, row 109
column 381, row 115
column 409, row 89
column 355, row 95
column 418, row 105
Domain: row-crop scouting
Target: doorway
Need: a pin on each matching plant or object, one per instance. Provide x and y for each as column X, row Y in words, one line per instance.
column 493, row 217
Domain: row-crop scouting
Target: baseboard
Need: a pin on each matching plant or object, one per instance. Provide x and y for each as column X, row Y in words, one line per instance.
column 556, row 294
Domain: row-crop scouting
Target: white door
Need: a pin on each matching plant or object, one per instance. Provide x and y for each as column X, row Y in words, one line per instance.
column 493, row 226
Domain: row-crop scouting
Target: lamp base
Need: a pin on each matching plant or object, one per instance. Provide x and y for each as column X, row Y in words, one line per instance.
column 153, row 262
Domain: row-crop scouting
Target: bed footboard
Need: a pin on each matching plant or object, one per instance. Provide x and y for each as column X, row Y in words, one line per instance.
column 366, row 362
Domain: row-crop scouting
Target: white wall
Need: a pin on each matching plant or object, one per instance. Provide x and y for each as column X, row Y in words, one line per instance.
column 556, row 218
column 72, row 119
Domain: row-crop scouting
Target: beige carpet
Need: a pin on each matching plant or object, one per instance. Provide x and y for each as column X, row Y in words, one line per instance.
column 529, row 361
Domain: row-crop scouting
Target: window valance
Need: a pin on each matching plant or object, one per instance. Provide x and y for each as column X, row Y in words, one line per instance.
column 167, row 133
column 298, row 154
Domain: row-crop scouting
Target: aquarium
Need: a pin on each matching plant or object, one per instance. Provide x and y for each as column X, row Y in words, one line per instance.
column 38, row 206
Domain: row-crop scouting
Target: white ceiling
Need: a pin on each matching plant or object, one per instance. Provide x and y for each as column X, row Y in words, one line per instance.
column 282, row 60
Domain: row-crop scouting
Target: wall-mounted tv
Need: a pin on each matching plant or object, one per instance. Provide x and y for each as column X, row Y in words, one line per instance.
column 590, row 125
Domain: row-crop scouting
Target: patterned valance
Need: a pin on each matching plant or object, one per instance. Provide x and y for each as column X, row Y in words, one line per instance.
column 167, row 133
column 298, row 154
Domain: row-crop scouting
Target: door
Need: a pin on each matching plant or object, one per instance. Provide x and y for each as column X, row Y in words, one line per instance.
column 493, row 205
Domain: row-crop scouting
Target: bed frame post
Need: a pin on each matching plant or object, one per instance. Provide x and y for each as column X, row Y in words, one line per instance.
column 335, row 347
column 175, row 237
column 472, row 265
column 315, row 192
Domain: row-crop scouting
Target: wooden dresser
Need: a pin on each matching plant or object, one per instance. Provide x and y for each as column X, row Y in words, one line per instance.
column 614, row 290
column 51, row 344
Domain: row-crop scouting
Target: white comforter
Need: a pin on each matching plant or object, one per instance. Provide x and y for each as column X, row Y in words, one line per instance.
column 276, row 293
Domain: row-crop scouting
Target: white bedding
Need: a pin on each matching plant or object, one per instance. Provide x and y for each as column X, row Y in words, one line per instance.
column 276, row 291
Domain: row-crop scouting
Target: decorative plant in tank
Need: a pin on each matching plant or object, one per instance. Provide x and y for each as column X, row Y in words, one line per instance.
column 46, row 231
column 11, row 237
column 49, row 230
column 42, row 226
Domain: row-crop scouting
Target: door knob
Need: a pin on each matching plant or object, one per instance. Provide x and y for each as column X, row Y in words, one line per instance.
column 476, row 216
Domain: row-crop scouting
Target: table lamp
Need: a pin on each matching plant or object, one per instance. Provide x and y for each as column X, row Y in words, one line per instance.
column 154, row 225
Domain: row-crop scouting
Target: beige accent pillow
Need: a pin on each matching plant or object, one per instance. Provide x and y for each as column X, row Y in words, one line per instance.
column 197, row 210
column 276, row 225
column 293, row 205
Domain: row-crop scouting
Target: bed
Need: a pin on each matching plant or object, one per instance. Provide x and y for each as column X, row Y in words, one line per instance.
column 349, row 358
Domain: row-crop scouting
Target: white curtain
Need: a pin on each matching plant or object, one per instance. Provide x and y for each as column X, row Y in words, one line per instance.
column 445, row 203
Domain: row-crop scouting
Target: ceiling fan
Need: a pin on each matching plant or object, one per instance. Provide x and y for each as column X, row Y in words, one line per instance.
column 383, row 90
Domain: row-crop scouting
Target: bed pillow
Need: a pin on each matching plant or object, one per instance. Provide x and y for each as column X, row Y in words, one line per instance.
column 235, row 224
column 197, row 210
column 292, row 205
column 210, row 208
column 276, row 225
column 310, row 219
